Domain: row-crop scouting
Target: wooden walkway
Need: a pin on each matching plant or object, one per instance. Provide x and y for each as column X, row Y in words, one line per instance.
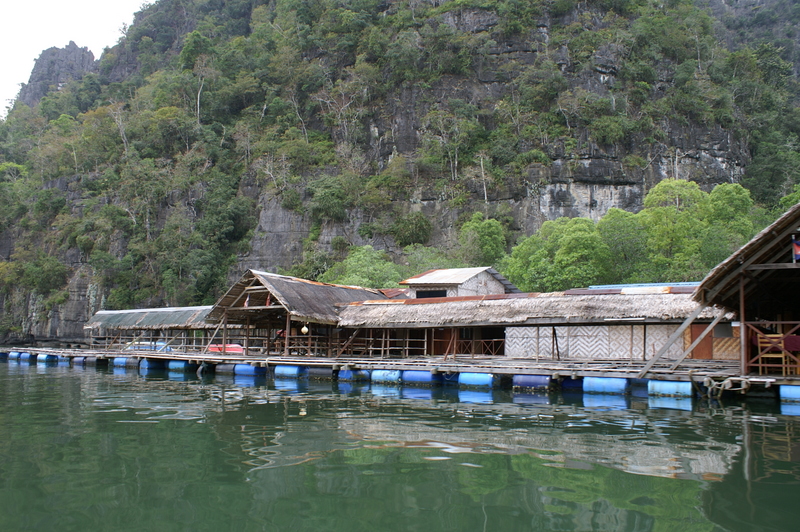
column 689, row 370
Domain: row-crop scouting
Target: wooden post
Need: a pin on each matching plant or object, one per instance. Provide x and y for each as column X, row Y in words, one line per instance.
column 286, row 332
column 743, row 332
column 225, row 332
column 247, row 338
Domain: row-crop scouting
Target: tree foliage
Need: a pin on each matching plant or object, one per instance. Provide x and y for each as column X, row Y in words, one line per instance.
column 680, row 235
column 147, row 171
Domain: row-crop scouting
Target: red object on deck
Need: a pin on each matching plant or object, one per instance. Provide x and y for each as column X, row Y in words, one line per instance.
column 229, row 348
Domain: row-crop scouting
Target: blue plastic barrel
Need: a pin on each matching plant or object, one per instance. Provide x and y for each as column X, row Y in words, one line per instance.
column 3, row 355
column 247, row 369
column 670, row 388
column 290, row 372
column 224, row 369
column 421, row 377
column 182, row 366
column 569, row 384
column 78, row 361
column 353, row 375
column 386, row 376
column 13, row 355
column 531, row 382
column 789, row 393
column 477, row 379
column 149, row 364
column 670, row 402
column 610, row 385
column 26, row 357
column 46, row 359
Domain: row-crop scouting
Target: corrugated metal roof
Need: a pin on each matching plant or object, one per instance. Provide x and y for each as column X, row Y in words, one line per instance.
column 153, row 319
column 450, row 276
column 457, row 276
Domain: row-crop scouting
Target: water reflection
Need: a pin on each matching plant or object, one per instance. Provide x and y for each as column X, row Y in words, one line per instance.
column 94, row 448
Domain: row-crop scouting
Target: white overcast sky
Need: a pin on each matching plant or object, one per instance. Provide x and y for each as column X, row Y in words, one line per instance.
column 31, row 26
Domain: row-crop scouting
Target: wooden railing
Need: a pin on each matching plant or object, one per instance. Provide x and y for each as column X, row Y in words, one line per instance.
column 772, row 352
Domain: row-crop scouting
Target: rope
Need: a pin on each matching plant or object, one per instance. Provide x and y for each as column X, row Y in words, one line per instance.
column 715, row 388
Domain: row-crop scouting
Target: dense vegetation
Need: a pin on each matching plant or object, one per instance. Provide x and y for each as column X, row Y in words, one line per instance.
column 150, row 170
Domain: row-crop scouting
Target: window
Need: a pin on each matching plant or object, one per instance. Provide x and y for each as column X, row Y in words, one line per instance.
column 423, row 294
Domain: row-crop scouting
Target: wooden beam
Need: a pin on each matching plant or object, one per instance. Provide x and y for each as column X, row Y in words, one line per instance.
column 698, row 340
column 774, row 266
column 671, row 340
column 347, row 343
column 723, row 284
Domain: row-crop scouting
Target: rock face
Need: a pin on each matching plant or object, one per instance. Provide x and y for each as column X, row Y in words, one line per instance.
column 54, row 68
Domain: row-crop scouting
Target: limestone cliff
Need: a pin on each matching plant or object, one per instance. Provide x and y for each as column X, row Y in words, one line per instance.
column 54, row 68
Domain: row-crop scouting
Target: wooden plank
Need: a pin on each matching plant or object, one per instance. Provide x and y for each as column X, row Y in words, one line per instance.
column 774, row 266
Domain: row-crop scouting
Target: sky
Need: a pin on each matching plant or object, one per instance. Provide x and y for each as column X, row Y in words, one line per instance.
column 32, row 26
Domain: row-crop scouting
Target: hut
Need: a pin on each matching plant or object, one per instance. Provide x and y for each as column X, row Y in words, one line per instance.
column 155, row 329
column 761, row 283
column 458, row 282
column 576, row 325
column 279, row 314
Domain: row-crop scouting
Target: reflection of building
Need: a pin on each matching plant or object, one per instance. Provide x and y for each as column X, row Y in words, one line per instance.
column 637, row 444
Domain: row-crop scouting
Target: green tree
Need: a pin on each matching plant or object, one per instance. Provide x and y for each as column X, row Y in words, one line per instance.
column 626, row 239
column 564, row 253
column 366, row 267
column 482, row 241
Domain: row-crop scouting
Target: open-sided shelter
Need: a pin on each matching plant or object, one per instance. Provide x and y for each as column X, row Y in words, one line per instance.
column 285, row 315
column 761, row 283
column 152, row 329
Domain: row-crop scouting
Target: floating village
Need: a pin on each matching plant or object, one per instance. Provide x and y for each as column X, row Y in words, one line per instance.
column 736, row 331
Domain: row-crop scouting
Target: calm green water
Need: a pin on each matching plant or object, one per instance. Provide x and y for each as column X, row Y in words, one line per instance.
column 93, row 449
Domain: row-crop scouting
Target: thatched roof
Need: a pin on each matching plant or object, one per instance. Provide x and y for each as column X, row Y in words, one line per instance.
column 772, row 246
column 261, row 294
column 151, row 319
column 457, row 276
column 521, row 309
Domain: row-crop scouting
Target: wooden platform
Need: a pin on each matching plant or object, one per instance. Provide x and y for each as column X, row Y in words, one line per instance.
column 690, row 370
